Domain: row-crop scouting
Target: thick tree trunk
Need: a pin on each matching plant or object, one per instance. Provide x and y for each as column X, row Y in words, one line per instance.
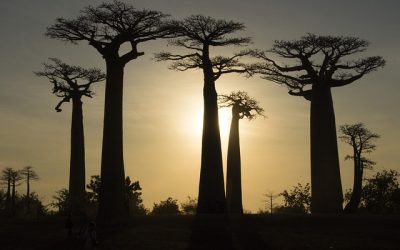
column 77, row 161
column 355, row 199
column 233, row 174
column 8, row 195
column 326, row 188
column 112, row 207
column 211, row 187
column 13, row 194
column 28, row 199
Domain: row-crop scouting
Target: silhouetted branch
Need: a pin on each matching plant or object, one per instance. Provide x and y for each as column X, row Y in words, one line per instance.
column 109, row 25
column 65, row 80
column 321, row 60
column 245, row 106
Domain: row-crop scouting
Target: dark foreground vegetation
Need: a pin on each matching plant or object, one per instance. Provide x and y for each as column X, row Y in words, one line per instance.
column 215, row 232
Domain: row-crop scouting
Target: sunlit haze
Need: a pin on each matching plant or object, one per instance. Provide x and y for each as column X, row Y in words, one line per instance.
column 163, row 109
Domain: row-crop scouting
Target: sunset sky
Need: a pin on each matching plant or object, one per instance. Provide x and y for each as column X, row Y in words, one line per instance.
column 163, row 108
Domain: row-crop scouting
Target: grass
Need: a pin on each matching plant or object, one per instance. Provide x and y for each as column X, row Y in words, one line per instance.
column 214, row 232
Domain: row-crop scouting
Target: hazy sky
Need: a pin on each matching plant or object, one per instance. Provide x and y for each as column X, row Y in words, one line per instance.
column 163, row 108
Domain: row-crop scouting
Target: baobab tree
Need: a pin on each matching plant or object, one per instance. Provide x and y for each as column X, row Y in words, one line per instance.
column 66, row 86
column 243, row 106
column 198, row 34
column 15, row 181
column 28, row 175
column 6, row 177
column 361, row 140
column 319, row 63
column 107, row 27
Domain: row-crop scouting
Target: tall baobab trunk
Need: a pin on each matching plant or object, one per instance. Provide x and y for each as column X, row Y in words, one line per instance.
column 211, row 187
column 8, row 195
column 28, row 198
column 355, row 199
column 112, row 200
column 13, row 196
column 77, row 161
column 233, row 174
column 327, row 196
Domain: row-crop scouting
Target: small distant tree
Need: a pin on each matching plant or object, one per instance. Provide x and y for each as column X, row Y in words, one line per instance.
column 243, row 106
column 381, row 193
column 28, row 175
column 169, row 206
column 189, row 207
column 6, row 177
column 61, row 201
column 297, row 200
column 133, row 197
column 269, row 202
column 362, row 141
column 15, row 181
column 310, row 67
column 3, row 197
column 197, row 36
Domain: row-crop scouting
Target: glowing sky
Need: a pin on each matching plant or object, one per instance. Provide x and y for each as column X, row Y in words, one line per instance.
column 163, row 108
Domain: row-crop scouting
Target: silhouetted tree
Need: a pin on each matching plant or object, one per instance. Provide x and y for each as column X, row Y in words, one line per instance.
column 198, row 34
column 169, row 206
column 381, row 193
column 6, row 177
column 361, row 139
column 133, row 198
column 65, row 85
column 189, row 206
column 94, row 189
column 15, row 181
column 297, row 200
column 320, row 64
column 107, row 27
column 243, row 106
column 3, row 197
column 61, row 201
column 28, row 174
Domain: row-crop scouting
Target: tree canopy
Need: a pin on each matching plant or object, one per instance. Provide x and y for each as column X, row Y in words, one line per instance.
column 65, row 80
column 316, row 58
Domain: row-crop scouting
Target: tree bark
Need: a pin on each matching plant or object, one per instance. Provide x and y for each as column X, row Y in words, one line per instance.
column 8, row 195
column 326, row 192
column 233, row 174
column 28, row 199
column 13, row 211
column 355, row 199
column 211, row 186
column 112, row 206
column 77, row 161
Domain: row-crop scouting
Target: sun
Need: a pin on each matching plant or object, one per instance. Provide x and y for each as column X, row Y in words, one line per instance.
column 195, row 123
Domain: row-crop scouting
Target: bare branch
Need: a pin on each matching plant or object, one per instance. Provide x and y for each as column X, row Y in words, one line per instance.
column 242, row 104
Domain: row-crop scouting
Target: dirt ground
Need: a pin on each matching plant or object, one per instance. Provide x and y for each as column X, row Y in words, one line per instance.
column 213, row 232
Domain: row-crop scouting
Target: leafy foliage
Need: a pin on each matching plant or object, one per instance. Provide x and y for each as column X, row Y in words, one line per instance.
column 133, row 196
column 169, row 206
column 297, row 200
column 381, row 193
column 61, row 201
column 189, row 206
